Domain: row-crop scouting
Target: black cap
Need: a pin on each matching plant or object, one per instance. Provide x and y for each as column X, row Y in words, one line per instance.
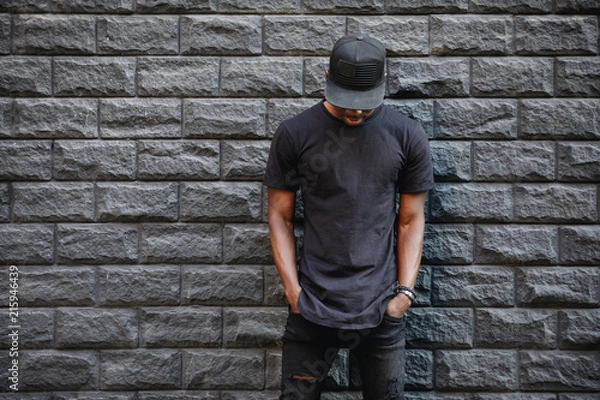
column 356, row 73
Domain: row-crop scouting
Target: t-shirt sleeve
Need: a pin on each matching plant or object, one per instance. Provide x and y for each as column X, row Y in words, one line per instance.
column 282, row 170
column 417, row 174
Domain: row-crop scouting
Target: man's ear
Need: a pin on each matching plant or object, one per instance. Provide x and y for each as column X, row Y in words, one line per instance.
column 326, row 74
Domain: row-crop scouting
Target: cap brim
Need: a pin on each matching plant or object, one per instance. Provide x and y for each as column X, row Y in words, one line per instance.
column 354, row 99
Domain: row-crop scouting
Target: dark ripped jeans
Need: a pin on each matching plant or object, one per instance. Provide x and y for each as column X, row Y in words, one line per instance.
column 310, row 349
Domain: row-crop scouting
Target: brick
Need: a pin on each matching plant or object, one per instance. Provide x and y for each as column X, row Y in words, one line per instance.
column 476, row 119
column 434, row 328
column 36, row 330
column 244, row 159
column 181, row 243
column 137, row 201
column 579, row 329
column 552, row 35
column 55, row 118
column 426, row 6
column 223, row 369
column 274, row 293
column 25, row 76
column 578, row 77
column 577, row 6
column 4, row 203
column 261, row 77
column 451, row 160
column 176, row 6
column 577, row 396
column 428, row 77
column 93, row 396
column 580, row 245
column 142, row 35
column 559, row 286
column 54, row 34
column 262, row 7
column 96, row 243
column 513, row 396
column 5, row 33
column 314, row 76
column 578, row 162
column 222, row 285
column 25, row 160
column 420, row 110
column 343, row 7
column 273, row 369
column 87, row 328
column 448, row 244
column 413, row 30
column 23, row 396
column 180, row 76
column 282, row 109
column 253, row 327
column 337, row 377
column 221, row 35
column 516, row 244
column 106, row 6
column 514, row 161
column 436, row 396
column 552, row 370
column 246, row 244
column 562, row 119
column 178, row 395
column 99, row 76
column 221, row 201
column 244, row 118
column 6, row 118
column 25, row 5
column 471, row 35
column 140, row 369
column 94, row 160
column 178, row 160
column 140, row 118
column 469, row 370
column 514, row 328
column 302, row 35
column 471, row 203
column 423, row 286
column 58, row 370
column 419, row 376
column 513, row 77
column 138, row 285
column 26, row 243
column 511, row 6
column 556, row 203
column 473, row 286
column 57, row 286
column 53, row 202
column 161, row 327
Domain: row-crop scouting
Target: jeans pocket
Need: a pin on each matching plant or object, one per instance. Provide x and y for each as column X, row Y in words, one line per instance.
column 393, row 319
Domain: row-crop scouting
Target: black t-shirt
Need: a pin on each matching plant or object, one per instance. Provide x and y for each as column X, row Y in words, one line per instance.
column 349, row 177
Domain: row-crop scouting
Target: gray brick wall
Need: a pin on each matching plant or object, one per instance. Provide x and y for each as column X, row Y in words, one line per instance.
column 133, row 137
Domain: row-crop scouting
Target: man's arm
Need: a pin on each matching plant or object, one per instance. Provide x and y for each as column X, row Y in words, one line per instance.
column 411, row 229
column 283, row 243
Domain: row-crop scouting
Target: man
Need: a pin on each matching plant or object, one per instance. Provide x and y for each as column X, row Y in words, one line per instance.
column 350, row 155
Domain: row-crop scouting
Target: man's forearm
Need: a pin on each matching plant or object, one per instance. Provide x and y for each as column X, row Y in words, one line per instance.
column 410, row 247
column 283, row 242
column 411, row 229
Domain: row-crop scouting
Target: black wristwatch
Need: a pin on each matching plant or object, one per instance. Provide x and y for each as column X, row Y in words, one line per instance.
column 405, row 290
